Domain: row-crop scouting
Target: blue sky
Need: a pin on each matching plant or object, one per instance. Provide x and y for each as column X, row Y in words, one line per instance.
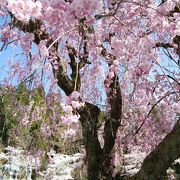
column 5, row 55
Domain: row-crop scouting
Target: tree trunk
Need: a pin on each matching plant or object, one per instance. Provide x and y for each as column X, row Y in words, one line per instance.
column 89, row 119
column 99, row 159
column 160, row 159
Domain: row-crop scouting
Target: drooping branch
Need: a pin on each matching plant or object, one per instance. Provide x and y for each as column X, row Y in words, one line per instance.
column 34, row 27
column 160, row 159
column 152, row 108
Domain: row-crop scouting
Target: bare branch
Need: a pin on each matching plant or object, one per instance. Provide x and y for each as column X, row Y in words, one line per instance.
column 173, row 79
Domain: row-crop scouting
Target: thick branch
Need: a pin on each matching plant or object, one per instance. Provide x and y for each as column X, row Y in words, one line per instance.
column 33, row 26
column 64, row 81
column 84, row 57
column 160, row 159
column 164, row 45
column 175, row 10
column 72, row 56
column 83, row 30
column 176, row 41
column 112, row 121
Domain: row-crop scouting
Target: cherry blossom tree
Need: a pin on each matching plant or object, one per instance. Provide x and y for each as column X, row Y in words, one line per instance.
column 117, row 61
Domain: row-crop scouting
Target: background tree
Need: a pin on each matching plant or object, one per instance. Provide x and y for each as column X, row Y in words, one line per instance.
column 120, row 57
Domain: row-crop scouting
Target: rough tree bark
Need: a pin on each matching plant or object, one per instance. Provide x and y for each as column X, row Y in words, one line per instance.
column 89, row 120
column 160, row 159
column 98, row 158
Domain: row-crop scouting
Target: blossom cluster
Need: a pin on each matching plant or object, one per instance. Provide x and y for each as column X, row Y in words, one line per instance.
column 71, row 116
column 24, row 10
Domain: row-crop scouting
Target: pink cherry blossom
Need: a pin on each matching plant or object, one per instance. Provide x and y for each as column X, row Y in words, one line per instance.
column 67, row 109
column 75, row 95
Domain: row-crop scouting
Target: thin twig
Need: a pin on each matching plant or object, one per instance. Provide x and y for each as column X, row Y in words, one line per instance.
column 170, row 56
column 173, row 79
column 165, row 75
column 126, row 26
column 59, row 37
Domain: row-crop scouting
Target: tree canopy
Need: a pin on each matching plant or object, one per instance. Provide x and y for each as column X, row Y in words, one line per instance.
column 117, row 63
